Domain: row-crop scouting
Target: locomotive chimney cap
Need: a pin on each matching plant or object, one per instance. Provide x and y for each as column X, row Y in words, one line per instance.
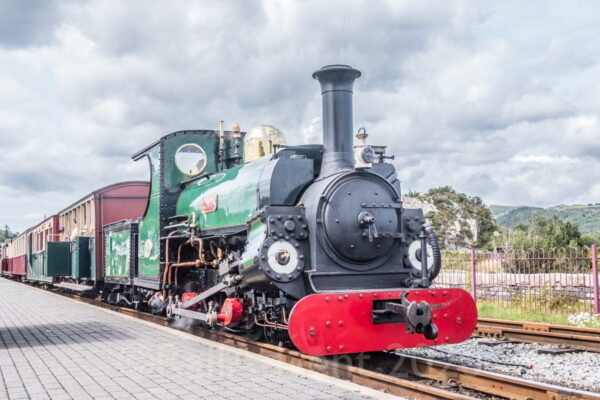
column 338, row 77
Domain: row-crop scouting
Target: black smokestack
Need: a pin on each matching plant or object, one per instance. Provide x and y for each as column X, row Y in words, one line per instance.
column 336, row 89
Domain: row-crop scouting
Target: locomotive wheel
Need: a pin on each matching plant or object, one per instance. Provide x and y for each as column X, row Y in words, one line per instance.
column 168, row 311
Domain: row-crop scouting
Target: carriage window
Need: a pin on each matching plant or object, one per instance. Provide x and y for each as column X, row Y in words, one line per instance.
column 190, row 159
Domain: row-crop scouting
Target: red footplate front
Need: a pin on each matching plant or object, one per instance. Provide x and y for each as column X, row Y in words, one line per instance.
column 336, row 323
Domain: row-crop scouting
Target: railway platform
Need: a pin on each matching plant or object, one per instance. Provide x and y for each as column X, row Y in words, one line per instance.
column 52, row 347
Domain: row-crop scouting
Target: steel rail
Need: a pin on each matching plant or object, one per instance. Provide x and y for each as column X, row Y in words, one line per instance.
column 528, row 332
column 488, row 382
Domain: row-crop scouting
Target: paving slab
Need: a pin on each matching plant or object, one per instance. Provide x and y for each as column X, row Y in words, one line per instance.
column 54, row 347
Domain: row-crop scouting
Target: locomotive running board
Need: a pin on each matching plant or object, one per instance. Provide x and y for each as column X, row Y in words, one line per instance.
column 335, row 323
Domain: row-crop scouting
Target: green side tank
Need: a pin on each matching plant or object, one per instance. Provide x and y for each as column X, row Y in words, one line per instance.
column 225, row 200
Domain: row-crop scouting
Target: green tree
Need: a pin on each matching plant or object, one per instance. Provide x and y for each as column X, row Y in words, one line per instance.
column 538, row 246
column 588, row 240
column 545, row 233
column 6, row 234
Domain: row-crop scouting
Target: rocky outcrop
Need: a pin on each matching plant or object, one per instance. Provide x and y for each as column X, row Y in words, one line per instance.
column 462, row 222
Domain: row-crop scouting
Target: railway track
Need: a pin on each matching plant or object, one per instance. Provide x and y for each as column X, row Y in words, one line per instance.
column 406, row 376
column 526, row 332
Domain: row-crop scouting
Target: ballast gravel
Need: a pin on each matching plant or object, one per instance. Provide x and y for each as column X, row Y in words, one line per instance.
column 577, row 370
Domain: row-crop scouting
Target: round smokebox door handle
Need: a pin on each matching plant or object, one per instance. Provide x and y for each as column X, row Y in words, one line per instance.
column 366, row 219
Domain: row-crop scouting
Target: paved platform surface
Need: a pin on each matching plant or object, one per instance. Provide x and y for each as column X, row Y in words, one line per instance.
column 52, row 347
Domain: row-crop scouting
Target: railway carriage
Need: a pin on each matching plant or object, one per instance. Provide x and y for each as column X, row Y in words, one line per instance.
column 3, row 263
column 81, row 224
column 15, row 257
column 67, row 249
column 47, row 257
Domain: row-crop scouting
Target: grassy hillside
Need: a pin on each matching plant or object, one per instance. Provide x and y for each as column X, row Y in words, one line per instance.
column 585, row 216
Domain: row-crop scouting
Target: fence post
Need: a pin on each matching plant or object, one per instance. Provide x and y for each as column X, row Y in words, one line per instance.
column 474, row 274
column 595, row 279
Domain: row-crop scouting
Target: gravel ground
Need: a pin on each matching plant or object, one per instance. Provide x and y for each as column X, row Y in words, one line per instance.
column 580, row 370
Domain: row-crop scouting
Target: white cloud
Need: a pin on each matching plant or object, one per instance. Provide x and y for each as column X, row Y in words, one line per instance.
column 469, row 95
column 544, row 159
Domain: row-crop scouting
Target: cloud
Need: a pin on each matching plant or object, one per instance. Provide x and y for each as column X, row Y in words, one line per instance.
column 468, row 95
column 28, row 23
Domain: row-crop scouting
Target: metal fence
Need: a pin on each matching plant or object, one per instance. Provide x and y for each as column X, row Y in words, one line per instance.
column 556, row 281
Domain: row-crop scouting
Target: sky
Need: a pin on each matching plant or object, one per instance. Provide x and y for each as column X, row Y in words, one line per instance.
column 499, row 100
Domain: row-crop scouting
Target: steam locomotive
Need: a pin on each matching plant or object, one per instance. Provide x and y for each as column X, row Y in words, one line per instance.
column 308, row 244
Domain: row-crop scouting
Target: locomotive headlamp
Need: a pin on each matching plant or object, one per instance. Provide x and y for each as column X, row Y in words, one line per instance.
column 363, row 153
column 368, row 155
